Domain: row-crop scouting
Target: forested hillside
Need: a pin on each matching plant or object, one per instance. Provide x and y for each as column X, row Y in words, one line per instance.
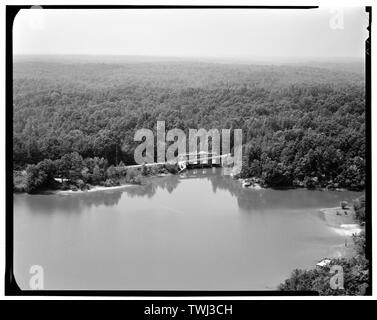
column 301, row 125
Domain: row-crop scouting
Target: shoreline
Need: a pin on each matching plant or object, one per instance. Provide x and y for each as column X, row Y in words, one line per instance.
column 93, row 189
column 342, row 222
column 250, row 183
column 340, row 218
column 254, row 183
column 103, row 188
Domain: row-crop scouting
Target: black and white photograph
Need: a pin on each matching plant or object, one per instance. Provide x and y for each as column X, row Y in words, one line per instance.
column 177, row 150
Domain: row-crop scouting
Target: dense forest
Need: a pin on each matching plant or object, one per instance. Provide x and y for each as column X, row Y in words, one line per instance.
column 302, row 125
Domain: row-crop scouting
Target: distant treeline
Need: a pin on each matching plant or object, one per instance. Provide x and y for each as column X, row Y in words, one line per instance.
column 302, row 126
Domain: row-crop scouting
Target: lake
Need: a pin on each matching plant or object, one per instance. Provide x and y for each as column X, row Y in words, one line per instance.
column 200, row 231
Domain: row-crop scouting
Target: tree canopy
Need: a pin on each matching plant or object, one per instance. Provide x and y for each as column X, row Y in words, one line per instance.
column 301, row 125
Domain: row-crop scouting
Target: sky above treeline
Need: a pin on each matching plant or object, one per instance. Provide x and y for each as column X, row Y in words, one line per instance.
column 220, row 33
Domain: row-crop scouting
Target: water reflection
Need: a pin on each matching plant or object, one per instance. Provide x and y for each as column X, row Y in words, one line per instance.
column 48, row 204
column 251, row 200
column 248, row 200
column 168, row 183
column 198, row 231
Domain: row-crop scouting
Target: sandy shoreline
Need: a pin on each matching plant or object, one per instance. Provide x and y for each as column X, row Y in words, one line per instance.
column 341, row 218
column 94, row 189
column 342, row 222
column 102, row 188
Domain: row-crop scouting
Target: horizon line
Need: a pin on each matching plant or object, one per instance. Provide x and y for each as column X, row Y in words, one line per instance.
column 182, row 57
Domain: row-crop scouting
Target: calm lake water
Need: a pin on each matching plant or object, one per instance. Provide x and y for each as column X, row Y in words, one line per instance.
column 202, row 232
